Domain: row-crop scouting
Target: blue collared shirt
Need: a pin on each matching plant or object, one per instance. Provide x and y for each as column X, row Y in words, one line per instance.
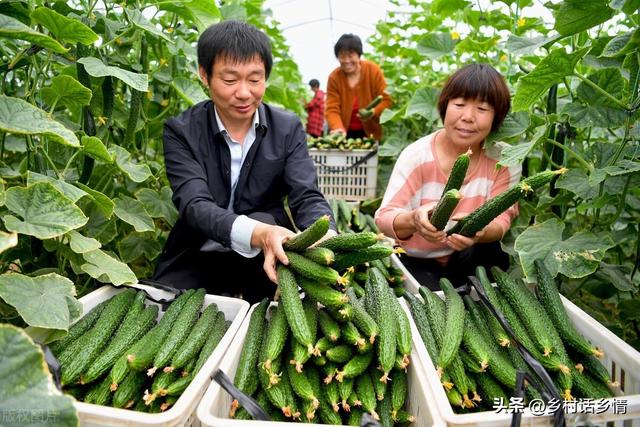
column 243, row 226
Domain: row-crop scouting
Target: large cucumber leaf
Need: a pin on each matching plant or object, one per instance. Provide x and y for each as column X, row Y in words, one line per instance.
column 132, row 212
column 578, row 256
column 66, row 29
column 28, row 396
column 28, row 295
column 21, row 118
column 45, row 211
column 13, row 29
column 107, row 269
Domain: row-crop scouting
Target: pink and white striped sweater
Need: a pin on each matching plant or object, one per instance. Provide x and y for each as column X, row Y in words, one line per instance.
column 417, row 179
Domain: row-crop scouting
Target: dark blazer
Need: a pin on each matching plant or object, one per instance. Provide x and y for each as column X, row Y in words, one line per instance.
column 198, row 165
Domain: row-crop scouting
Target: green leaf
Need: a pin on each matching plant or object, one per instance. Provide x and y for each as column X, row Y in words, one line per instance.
column 577, row 182
column 81, row 244
column 99, row 226
column 159, row 205
column 132, row 212
column 97, row 68
column 3, row 195
column 476, row 44
column 612, row 274
column 13, row 29
column 71, row 191
column 446, row 8
column 136, row 244
column 189, row 90
column 63, row 28
column 67, row 91
column 19, row 117
column 424, row 103
column 551, row 70
column 435, row 45
column 201, row 12
column 107, row 269
column 27, row 390
column 622, row 44
column 45, row 211
column 578, row 256
column 136, row 172
column 527, row 45
column 29, row 295
column 138, row 20
column 575, row 16
column 388, row 115
column 514, row 155
column 515, row 124
column 608, row 79
column 102, row 202
column 8, row 241
column 602, row 116
column 622, row 167
column 629, row 309
column 93, row 147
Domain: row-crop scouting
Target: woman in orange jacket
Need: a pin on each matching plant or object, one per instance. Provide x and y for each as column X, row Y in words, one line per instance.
column 350, row 88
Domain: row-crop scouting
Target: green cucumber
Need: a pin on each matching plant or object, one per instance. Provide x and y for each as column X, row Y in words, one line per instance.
column 329, row 327
column 350, row 241
column 312, row 270
column 454, row 324
column 352, row 258
column 290, row 300
column 322, row 256
column 196, row 338
column 78, row 329
column 274, row 341
column 88, row 347
column 99, row 393
column 133, row 327
column 323, row 293
column 381, row 310
column 308, row 237
column 179, row 332
column 130, row 390
column 483, row 215
column 458, row 172
column 245, row 378
column 550, row 299
column 443, row 210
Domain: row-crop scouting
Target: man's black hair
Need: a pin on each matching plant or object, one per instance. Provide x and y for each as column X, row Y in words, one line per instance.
column 348, row 42
column 314, row 83
column 236, row 41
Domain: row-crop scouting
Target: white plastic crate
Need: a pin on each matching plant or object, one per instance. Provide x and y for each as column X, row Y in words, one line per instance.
column 214, row 407
column 337, row 180
column 622, row 361
column 182, row 413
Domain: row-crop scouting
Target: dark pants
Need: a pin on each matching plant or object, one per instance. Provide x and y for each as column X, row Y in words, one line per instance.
column 460, row 265
column 222, row 273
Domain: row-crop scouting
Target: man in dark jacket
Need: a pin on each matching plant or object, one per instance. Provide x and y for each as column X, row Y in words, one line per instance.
column 231, row 162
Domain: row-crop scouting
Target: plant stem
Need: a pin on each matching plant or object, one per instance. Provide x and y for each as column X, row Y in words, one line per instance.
column 575, row 155
column 601, row 91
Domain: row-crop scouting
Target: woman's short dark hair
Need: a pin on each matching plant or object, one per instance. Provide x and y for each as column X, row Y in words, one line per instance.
column 349, row 43
column 235, row 41
column 314, row 83
column 481, row 82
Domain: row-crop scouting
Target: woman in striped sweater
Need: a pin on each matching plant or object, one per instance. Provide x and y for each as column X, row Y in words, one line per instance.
column 474, row 101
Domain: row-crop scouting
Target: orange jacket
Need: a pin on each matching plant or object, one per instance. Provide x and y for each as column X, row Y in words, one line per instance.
column 340, row 97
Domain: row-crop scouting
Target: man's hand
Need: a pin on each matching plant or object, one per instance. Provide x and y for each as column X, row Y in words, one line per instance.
column 424, row 226
column 340, row 131
column 270, row 238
